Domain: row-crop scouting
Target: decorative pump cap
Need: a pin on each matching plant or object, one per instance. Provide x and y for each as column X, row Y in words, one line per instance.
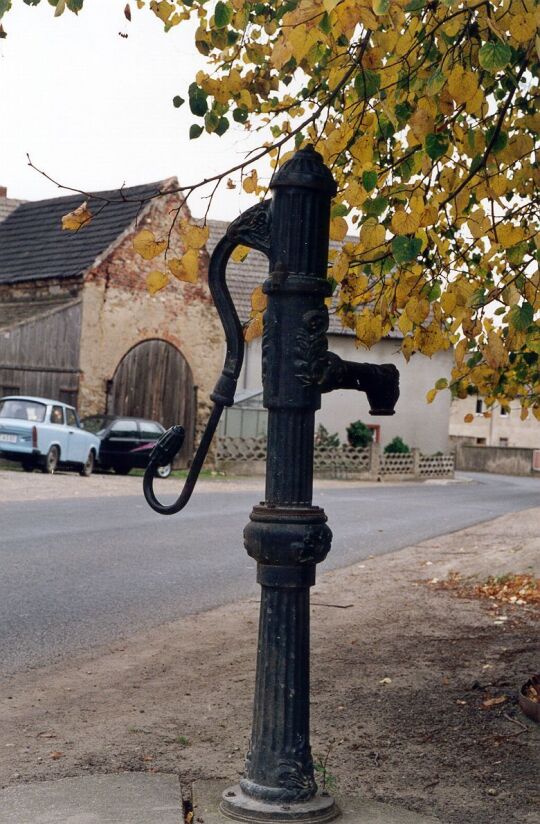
column 307, row 170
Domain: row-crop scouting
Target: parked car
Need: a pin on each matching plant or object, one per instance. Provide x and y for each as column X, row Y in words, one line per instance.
column 45, row 434
column 125, row 443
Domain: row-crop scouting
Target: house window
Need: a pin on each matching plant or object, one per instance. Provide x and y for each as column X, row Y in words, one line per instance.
column 503, row 441
column 504, row 411
column 376, row 429
column 480, row 441
column 479, row 406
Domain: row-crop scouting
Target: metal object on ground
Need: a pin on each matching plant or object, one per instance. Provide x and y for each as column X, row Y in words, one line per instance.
column 287, row 535
column 528, row 704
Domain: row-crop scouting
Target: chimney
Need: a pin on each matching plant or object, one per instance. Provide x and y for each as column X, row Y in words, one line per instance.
column 3, row 191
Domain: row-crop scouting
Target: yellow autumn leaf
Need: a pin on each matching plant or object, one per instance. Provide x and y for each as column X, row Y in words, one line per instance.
column 494, row 351
column 417, row 309
column 428, row 216
column 462, row 84
column 509, row 235
column 368, row 329
column 338, row 228
column 156, row 280
column 146, row 245
column 407, row 347
column 469, row 417
column 254, row 328
column 258, row 300
column 249, row 184
column 524, row 414
column 186, row 268
column 162, row 9
column 193, row 236
column 240, row 254
column 81, row 216
column 405, row 223
column 431, row 395
column 340, row 267
column 372, row 234
column 523, row 27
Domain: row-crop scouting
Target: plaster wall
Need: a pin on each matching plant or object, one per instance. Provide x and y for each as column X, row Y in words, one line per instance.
column 495, row 430
column 420, row 424
column 118, row 312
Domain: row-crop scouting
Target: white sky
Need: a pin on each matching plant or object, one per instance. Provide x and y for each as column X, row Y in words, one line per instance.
column 94, row 110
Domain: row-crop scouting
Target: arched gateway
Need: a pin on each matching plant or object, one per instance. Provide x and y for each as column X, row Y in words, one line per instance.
column 154, row 380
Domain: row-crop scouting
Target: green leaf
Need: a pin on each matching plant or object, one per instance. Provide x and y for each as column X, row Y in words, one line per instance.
column 197, row 100
column 521, row 317
column 405, row 249
column 494, row 56
column 436, row 82
column 222, row 15
column 369, row 180
column 435, row 292
column 240, row 115
column 5, row 5
column 375, row 207
column 380, row 7
column 415, row 5
column 195, row 131
column 367, row 83
column 222, row 126
column 436, row 145
column 324, row 24
column 178, row 101
column 515, row 254
column 339, row 210
column 442, row 383
column 500, row 142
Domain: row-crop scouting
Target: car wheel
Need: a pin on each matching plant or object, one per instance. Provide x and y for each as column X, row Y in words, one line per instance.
column 122, row 470
column 164, row 471
column 28, row 467
column 51, row 460
column 88, row 467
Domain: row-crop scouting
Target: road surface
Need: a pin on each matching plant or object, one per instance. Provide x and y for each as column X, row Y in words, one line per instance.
column 81, row 572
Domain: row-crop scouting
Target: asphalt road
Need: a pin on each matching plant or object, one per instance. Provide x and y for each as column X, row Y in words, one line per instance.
column 76, row 573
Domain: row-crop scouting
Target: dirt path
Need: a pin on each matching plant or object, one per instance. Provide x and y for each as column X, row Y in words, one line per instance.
column 399, row 676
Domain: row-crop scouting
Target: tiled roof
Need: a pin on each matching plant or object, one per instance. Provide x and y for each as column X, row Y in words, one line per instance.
column 7, row 205
column 33, row 244
column 243, row 278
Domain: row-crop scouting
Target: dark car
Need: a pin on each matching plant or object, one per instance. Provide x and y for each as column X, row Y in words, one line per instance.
column 126, row 443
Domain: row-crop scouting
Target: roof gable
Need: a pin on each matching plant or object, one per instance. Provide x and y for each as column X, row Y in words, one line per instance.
column 34, row 246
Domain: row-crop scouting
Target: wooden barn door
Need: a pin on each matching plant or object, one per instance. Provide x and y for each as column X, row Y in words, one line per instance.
column 154, row 381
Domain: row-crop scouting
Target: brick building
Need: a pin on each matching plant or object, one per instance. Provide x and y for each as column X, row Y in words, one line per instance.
column 77, row 323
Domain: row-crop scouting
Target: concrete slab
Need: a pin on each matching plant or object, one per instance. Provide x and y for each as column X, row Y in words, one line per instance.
column 207, row 796
column 129, row 798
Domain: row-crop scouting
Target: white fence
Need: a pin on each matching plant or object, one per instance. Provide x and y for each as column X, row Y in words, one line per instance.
column 247, row 456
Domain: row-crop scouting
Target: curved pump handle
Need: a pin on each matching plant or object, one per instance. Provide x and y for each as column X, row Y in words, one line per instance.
column 251, row 228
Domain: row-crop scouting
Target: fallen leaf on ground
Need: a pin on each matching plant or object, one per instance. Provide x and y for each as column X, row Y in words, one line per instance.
column 493, row 702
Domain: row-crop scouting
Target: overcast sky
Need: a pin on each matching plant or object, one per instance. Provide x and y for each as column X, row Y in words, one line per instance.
column 94, row 109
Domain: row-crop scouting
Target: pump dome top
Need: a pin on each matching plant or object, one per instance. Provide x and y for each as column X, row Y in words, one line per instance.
column 305, row 169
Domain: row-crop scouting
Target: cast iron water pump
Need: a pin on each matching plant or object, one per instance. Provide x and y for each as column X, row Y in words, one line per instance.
column 286, row 535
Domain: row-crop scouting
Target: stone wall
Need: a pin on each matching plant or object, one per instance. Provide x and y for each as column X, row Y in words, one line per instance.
column 500, row 460
column 247, row 456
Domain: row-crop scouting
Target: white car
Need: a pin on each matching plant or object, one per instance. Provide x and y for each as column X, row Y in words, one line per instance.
column 42, row 433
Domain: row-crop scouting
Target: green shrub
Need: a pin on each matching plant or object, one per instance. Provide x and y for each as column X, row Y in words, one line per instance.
column 323, row 437
column 396, row 445
column 359, row 435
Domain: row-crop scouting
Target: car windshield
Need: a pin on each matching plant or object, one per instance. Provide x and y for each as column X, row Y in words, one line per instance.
column 96, row 423
column 23, row 410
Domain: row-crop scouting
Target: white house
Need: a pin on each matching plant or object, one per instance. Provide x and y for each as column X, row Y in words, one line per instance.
column 419, row 424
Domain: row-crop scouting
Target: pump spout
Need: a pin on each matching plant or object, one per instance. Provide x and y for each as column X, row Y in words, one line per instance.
column 380, row 382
